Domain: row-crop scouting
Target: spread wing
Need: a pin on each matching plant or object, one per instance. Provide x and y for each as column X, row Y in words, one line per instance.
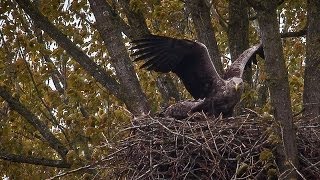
column 188, row 59
column 237, row 67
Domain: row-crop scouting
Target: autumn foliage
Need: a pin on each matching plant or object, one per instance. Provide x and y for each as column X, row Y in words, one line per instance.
column 70, row 95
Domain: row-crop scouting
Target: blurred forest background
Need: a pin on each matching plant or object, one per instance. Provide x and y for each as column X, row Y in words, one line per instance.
column 68, row 84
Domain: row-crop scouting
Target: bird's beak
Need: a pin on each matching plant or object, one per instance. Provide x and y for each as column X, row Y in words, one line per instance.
column 237, row 87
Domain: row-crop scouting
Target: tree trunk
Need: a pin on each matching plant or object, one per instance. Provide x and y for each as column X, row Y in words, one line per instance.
column 277, row 80
column 238, row 28
column 139, row 29
column 238, row 37
column 238, row 32
column 200, row 14
column 311, row 94
column 134, row 98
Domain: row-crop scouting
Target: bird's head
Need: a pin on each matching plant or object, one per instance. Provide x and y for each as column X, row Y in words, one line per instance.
column 236, row 83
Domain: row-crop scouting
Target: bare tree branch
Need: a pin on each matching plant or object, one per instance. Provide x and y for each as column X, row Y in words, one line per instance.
column 223, row 23
column 55, row 75
column 52, row 118
column 33, row 160
column 34, row 121
column 92, row 165
column 300, row 33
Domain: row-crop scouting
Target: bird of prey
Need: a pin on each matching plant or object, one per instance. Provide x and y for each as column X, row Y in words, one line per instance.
column 191, row 62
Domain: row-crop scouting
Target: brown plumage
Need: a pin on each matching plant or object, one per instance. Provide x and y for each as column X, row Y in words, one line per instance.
column 191, row 62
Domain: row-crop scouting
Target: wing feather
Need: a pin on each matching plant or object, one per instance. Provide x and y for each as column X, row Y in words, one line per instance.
column 237, row 67
column 151, row 61
column 159, row 63
column 145, row 51
column 188, row 59
column 149, row 55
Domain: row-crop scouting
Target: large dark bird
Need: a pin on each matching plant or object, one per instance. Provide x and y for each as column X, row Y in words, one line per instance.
column 191, row 62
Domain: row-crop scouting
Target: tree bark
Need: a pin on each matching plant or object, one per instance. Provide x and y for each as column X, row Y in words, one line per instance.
column 238, row 32
column 238, row 38
column 137, row 23
column 200, row 14
column 134, row 98
column 136, row 20
column 300, row 33
column 277, row 80
column 311, row 94
column 238, row 28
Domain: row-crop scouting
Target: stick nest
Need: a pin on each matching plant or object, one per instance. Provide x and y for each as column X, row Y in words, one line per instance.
column 204, row 148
